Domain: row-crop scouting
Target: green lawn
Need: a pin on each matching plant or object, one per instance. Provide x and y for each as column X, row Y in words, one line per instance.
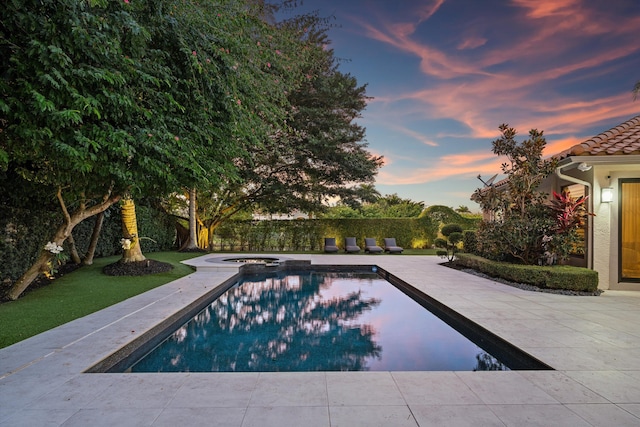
column 78, row 294
column 87, row 290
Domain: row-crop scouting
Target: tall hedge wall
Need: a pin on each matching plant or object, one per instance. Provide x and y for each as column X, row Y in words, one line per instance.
column 308, row 235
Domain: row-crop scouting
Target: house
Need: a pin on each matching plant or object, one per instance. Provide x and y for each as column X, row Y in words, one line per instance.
column 607, row 168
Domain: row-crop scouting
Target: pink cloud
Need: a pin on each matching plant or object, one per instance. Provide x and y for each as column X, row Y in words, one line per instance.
column 427, row 10
column 520, row 80
column 546, row 8
column 472, row 43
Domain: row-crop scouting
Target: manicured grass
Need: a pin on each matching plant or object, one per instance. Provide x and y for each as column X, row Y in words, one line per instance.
column 80, row 293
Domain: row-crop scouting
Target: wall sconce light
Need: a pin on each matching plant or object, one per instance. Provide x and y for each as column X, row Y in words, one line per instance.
column 606, row 195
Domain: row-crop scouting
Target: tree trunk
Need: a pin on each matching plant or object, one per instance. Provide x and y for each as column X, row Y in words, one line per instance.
column 30, row 275
column 182, row 237
column 203, row 237
column 73, row 250
column 193, row 225
column 95, row 235
column 62, row 233
column 132, row 251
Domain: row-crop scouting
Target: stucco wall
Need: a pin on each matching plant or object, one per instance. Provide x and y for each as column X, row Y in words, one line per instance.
column 606, row 254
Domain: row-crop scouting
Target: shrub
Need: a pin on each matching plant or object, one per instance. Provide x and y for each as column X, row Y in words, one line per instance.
column 453, row 236
column 549, row 277
column 470, row 241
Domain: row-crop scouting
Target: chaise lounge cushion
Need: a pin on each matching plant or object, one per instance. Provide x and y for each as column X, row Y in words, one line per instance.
column 330, row 245
column 350, row 245
column 391, row 246
column 371, row 246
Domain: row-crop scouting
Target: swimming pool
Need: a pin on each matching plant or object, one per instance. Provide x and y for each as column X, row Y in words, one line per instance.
column 325, row 321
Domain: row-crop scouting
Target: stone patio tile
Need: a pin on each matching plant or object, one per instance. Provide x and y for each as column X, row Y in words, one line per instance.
column 632, row 408
column 290, row 389
column 616, row 358
column 617, row 338
column 19, row 355
column 78, row 392
column 139, row 391
column 280, row 416
column 368, row 416
column 538, row 416
column 216, row 391
column 20, row 390
column 557, row 358
column 455, row 416
column 363, row 389
column 504, row 387
column 605, row 415
column 615, row 386
column 562, row 388
column 38, row 417
column 130, row 417
column 570, row 338
column 433, row 388
column 218, row 417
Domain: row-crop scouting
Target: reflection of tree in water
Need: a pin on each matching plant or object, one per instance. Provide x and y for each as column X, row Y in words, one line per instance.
column 486, row 362
column 271, row 325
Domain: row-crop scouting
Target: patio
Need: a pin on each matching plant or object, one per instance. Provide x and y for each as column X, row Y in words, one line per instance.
column 592, row 342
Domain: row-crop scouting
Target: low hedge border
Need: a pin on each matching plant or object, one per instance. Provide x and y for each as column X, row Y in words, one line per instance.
column 562, row 277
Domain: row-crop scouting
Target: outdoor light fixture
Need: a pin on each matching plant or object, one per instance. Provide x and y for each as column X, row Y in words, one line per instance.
column 606, row 195
column 583, row 167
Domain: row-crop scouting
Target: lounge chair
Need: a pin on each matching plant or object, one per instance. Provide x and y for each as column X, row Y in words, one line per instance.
column 350, row 245
column 371, row 246
column 391, row 246
column 330, row 245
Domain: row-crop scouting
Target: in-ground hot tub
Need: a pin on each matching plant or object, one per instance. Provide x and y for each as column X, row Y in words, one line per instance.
column 231, row 262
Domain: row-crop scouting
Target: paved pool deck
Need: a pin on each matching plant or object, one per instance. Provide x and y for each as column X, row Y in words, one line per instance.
column 593, row 343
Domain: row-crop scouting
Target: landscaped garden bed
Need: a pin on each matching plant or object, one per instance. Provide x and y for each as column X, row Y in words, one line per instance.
column 558, row 278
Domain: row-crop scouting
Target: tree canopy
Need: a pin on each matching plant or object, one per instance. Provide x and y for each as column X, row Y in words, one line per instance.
column 319, row 155
column 371, row 205
column 99, row 98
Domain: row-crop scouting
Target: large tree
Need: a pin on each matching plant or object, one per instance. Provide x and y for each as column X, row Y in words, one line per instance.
column 101, row 99
column 320, row 155
column 521, row 220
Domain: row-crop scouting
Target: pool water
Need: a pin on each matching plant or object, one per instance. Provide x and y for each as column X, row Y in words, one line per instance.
column 315, row 321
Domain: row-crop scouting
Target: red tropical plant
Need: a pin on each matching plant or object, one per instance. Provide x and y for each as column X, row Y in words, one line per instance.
column 570, row 213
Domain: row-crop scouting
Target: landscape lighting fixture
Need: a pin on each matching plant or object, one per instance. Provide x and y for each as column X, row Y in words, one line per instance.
column 583, row 167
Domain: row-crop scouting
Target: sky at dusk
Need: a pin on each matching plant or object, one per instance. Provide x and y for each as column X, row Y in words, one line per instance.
column 444, row 74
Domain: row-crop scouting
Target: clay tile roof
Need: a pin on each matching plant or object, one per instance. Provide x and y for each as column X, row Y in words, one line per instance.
column 622, row 139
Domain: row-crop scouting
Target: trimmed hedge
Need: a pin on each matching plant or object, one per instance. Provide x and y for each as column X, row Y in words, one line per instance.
column 551, row 277
column 308, row 235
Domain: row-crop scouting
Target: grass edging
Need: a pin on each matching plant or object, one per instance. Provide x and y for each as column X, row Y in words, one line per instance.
column 562, row 277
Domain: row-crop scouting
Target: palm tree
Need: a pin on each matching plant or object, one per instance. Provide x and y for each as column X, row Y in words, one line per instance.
column 130, row 238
